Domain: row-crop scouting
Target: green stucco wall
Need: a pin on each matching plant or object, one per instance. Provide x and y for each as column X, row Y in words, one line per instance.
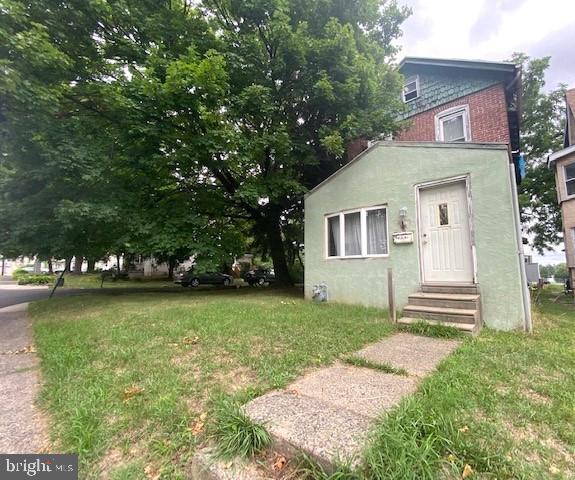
column 387, row 174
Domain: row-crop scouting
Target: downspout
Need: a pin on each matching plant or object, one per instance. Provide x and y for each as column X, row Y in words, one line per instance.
column 524, row 285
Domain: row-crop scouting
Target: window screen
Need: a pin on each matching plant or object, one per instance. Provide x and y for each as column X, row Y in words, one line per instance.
column 333, row 238
column 410, row 89
column 352, row 232
column 376, row 232
column 454, row 128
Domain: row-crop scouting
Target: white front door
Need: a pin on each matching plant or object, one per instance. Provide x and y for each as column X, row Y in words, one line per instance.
column 444, row 236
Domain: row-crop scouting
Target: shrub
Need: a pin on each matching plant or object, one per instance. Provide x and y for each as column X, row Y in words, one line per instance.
column 19, row 273
column 31, row 279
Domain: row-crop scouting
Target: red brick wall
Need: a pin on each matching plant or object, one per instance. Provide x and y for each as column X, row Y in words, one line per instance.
column 487, row 112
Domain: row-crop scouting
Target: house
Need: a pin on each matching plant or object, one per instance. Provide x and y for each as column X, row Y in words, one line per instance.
column 437, row 206
column 563, row 162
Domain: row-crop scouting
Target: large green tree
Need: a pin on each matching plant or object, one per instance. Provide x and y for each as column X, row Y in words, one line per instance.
column 252, row 117
column 240, row 106
column 542, row 126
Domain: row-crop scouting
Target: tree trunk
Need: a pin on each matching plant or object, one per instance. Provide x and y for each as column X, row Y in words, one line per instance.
column 67, row 264
column 118, row 261
column 171, row 266
column 78, row 261
column 91, row 265
column 50, row 266
column 128, row 260
column 277, row 251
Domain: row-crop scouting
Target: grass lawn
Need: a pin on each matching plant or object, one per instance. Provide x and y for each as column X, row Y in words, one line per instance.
column 94, row 280
column 128, row 378
column 503, row 404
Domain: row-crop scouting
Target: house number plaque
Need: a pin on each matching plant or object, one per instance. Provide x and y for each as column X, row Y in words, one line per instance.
column 403, row 237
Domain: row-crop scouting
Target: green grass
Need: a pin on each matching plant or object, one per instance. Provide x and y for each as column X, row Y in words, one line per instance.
column 129, row 381
column 236, row 435
column 310, row 469
column 504, row 404
column 382, row 367
column 429, row 330
column 94, row 280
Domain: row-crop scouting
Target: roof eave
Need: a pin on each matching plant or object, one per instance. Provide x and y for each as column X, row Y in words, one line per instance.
column 560, row 154
column 459, row 63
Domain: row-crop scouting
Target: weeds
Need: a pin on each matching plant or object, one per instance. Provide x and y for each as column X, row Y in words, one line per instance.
column 236, row 435
column 382, row 367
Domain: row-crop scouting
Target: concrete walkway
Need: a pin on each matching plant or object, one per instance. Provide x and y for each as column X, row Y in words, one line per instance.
column 22, row 428
column 328, row 414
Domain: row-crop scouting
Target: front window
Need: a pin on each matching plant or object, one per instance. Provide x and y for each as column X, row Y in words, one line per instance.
column 453, row 125
column 376, row 226
column 570, row 178
column 411, row 89
column 352, row 229
column 357, row 233
column 333, row 237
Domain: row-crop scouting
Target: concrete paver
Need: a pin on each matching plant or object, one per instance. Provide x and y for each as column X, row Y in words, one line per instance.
column 22, row 428
column 328, row 413
column 361, row 390
column 416, row 354
column 302, row 424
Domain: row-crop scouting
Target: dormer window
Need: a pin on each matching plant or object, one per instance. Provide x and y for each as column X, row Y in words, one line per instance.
column 411, row 89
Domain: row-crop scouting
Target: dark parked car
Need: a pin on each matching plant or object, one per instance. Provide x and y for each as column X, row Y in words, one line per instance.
column 194, row 279
column 260, row 276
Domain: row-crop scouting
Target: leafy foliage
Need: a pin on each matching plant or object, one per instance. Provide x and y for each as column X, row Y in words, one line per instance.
column 115, row 110
column 542, row 124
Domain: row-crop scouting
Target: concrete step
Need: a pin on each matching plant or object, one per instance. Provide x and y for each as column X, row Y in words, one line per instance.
column 455, row 315
column 445, row 300
column 465, row 327
column 465, row 288
column 301, row 424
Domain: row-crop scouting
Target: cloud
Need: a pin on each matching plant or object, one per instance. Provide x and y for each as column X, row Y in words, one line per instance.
column 491, row 17
column 493, row 30
column 559, row 46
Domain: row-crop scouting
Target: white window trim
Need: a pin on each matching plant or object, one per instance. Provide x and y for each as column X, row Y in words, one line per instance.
column 407, row 81
column 363, row 226
column 453, row 112
column 565, row 180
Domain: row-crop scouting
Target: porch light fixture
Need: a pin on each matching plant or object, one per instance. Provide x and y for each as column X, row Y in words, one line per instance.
column 402, row 217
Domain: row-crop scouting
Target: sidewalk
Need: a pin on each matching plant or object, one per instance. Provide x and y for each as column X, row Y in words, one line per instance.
column 22, row 428
column 328, row 414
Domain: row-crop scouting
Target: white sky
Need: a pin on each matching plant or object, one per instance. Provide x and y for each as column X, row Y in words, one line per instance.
column 493, row 30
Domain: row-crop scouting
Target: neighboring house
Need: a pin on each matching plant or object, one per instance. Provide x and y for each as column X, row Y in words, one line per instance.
column 438, row 207
column 563, row 162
